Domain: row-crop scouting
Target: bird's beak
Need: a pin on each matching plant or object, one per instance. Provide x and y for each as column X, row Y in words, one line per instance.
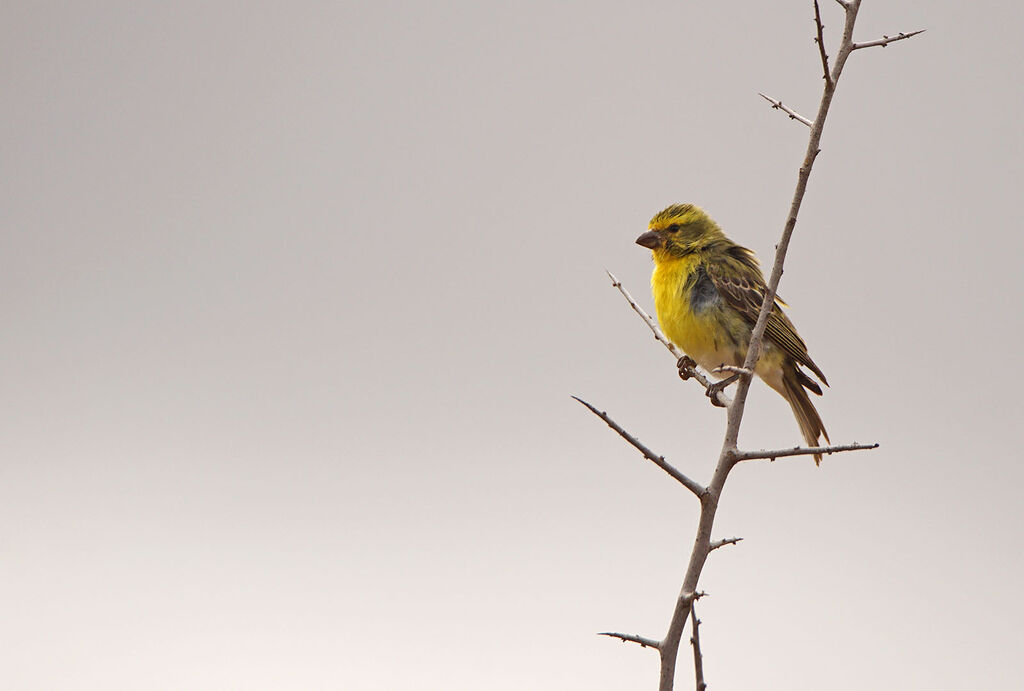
column 652, row 239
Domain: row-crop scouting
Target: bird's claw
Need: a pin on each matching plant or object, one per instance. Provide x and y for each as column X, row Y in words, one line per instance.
column 714, row 389
column 685, row 366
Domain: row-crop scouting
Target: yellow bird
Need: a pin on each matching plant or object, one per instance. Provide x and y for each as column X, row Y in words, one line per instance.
column 708, row 292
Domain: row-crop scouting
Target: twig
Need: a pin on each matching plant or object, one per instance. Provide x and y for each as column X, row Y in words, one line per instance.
column 632, row 638
column 778, row 105
column 723, row 400
column 722, row 543
column 698, row 659
column 658, row 335
column 886, row 40
column 820, row 40
column 800, row 451
column 730, row 368
column 698, row 489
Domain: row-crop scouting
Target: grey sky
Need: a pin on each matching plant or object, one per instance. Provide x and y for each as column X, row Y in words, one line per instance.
column 294, row 298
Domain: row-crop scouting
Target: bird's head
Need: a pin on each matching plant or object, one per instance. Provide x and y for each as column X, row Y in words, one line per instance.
column 679, row 230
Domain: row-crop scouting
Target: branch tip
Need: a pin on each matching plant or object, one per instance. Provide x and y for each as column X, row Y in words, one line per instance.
column 779, row 105
column 615, row 281
column 800, row 451
column 723, row 542
column 886, row 40
column 633, row 638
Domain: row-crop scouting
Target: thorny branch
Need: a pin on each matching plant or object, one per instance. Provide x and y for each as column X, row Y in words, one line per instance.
column 730, row 368
column 778, row 105
column 729, row 456
column 633, row 638
column 800, row 451
column 726, row 461
column 886, row 40
column 698, row 659
column 723, row 401
column 698, row 489
column 722, row 543
column 820, row 40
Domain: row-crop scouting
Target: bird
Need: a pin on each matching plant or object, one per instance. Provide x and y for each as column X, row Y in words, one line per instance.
column 708, row 292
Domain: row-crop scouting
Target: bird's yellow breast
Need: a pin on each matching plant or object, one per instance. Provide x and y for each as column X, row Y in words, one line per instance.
column 699, row 335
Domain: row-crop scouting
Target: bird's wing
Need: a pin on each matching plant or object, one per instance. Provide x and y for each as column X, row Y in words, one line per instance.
column 738, row 279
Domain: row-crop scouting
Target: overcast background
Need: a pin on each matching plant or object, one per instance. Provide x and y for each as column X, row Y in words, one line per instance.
column 294, row 297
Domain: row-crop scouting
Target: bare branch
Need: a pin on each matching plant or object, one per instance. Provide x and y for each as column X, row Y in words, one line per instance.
column 698, row 489
column 632, row 638
column 800, row 451
column 757, row 334
column 723, row 542
column 723, row 400
column 668, row 647
column 820, row 40
column 778, row 105
column 698, row 659
column 886, row 40
column 730, row 368
column 727, row 458
column 658, row 335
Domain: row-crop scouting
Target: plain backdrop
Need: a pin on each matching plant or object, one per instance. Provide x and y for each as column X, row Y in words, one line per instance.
column 294, row 297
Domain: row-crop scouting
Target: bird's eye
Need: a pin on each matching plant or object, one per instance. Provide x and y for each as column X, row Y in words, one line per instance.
column 673, row 228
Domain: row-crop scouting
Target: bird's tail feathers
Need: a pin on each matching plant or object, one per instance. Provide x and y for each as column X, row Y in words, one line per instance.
column 807, row 382
column 795, row 382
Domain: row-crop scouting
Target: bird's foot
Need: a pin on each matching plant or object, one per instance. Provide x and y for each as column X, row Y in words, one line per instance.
column 685, row 365
column 714, row 389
